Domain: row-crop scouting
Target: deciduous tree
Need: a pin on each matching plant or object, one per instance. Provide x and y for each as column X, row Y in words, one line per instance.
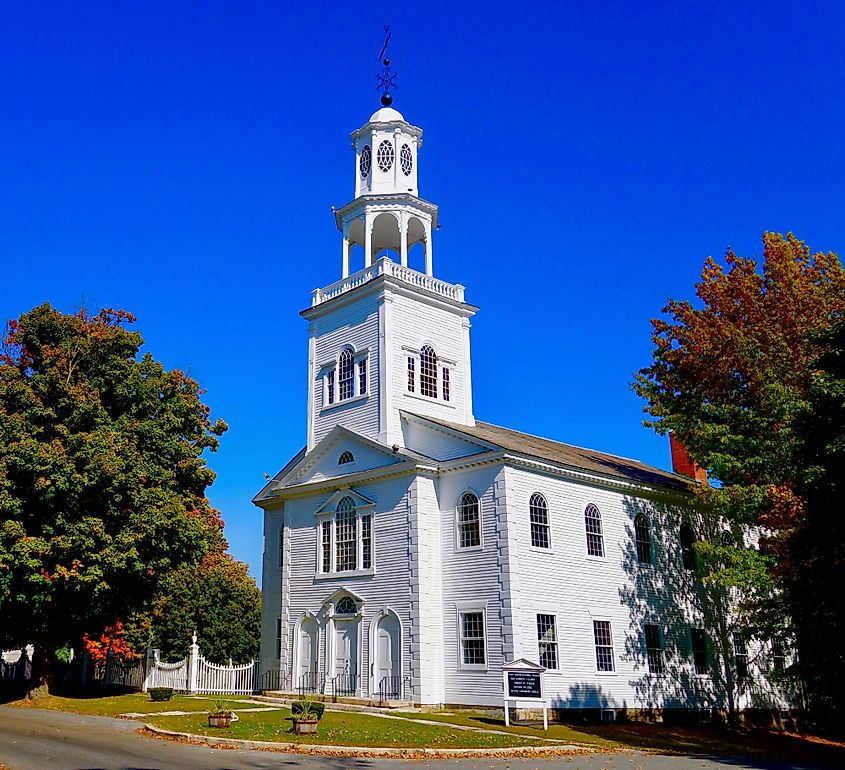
column 734, row 378
column 102, row 477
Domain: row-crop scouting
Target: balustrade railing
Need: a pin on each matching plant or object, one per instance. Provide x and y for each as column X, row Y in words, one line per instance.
column 386, row 266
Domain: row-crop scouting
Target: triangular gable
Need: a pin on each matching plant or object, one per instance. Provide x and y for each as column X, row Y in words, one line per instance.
column 321, row 463
column 331, row 504
column 438, row 441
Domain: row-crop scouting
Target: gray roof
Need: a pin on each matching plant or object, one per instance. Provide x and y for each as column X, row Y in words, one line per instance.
column 568, row 455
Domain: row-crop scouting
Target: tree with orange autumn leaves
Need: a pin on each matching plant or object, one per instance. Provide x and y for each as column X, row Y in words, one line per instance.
column 744, row 378
column 102, row 478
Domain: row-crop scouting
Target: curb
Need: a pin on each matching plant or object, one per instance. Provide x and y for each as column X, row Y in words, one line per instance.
column 366, row 751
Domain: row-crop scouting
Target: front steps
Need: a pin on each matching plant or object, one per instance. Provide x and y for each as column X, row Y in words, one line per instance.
column 341, row 703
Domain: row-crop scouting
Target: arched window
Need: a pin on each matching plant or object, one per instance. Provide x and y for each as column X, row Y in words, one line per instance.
column 345, row 457
column 346, row 371
column 539, row 514
column 687, row 550
column 428, row 371
column 592, row 524
column 469, row 521
column 345, row 606
column 346, row 541
column 643, row 536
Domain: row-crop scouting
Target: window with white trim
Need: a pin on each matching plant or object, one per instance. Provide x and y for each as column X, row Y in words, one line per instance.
column 547, row 641
column 446, row 383
column 469, row 521
column 412, row 377
column 700, row 650
column 346, row 539
column 428, row 371
column 428, row 374
column 687, row 537
column 592, row 525
column 642, row 532
column 604, row 645
column 473, row 648
column 346, row 377
column 740, row 655
column 654, row 648
column 538, row 513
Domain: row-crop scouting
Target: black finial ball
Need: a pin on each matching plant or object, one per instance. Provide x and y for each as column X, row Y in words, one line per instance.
column 386, row 62
column 386, row 99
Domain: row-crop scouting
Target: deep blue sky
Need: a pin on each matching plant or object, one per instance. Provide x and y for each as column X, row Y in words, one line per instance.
column 179, row 160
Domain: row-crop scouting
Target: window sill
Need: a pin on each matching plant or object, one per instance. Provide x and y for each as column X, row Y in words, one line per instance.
column 589, row 557
column 469, row 549
column 607, row 673
column 350, row 573
column 430, row 400
column 345, row 402
column 473, row 667
column 538, row 549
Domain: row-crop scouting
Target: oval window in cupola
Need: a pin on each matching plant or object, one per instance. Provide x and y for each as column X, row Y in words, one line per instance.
column 384, row 156
column 366, row 161
column 406, row 160
column 345, row 457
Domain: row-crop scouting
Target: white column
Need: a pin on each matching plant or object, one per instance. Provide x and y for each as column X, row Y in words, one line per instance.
column 429, row 263
column 193, row 664
column 368, row 240
column 403, row 239
column 345, row 270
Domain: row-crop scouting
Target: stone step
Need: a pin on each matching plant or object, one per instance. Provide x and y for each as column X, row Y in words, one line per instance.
column 284, row 698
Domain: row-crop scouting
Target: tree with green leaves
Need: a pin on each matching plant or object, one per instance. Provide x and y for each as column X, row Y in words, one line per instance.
column 217, row 599
column 102, row 478
column 740, row 380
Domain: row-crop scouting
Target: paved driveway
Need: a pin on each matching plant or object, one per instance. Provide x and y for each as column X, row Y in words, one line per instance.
column 31, row 739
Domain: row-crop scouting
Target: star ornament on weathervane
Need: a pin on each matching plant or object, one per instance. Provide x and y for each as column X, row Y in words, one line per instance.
column 386, row 79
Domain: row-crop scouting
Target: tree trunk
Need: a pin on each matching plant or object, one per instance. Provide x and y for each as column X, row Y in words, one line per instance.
column 41, row 681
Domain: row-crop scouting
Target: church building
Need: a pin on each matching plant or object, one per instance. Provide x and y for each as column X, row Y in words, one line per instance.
column 411, row 550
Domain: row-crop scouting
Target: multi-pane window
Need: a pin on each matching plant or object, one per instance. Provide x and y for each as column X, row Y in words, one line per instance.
column 326, row 540
column 345, row 538
column 366, row 541
column 469, row 521
column 345, row 458
column 654, row 648
column 428, row 372
column 547, row 641
column 362, row 376
column 330, row 386
column 278, row 637
column 446, row 384
column 642, row 533
column 778, row 656
column 687, row 550
column 412, row 363
column 539, row 514
column 604, row 645
column 346, row 375
column 700, row 657
column 472, row 639
column 346, row 606
column 592, row 524
column 740, row 655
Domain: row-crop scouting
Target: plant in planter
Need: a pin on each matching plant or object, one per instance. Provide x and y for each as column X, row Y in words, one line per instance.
column 305, row 715
column 161, row 693
column 221, row 715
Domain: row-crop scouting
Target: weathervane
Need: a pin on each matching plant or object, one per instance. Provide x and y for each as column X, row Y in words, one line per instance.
column 386, row 79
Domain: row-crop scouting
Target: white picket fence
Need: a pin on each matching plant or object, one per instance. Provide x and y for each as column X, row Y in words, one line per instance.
column 195, row 674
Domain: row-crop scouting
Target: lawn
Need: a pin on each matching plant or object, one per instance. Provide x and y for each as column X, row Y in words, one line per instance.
column 343, row 728
column 112, row 705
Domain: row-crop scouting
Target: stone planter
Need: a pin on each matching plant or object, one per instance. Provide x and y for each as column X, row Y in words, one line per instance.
column 301, row 726
column 220, row 720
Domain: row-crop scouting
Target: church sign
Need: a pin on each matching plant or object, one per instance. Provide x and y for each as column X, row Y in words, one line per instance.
column 523, row 684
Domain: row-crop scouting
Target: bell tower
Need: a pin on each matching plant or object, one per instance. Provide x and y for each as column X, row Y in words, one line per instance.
column 386, row 213
column 385, row 338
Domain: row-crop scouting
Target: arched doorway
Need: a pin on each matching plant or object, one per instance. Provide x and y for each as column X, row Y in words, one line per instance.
column 388, row 668
column 307, row 649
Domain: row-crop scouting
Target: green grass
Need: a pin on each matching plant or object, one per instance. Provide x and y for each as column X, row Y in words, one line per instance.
column 343, row 728
column 112, row 705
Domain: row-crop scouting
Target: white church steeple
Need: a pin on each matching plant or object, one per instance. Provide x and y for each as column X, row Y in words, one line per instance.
column 387, row 338
column 386, row 214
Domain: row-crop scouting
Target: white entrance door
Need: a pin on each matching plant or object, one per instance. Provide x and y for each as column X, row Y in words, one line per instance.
column 346, row 658
column 307, row 655
column 387, row 658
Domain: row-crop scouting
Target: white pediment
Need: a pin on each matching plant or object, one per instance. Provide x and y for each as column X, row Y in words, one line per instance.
column 361, row 502
column 330, row 459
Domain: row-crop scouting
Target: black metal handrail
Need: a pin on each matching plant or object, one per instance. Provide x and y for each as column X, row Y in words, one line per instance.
column 344, row 684
column 309, row 682
column 394, row 688
column 276, row 679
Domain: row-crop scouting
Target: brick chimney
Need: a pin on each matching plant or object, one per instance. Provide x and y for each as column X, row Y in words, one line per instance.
column 682, row 463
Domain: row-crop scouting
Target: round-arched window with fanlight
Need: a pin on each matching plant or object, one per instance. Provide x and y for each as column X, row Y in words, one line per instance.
column 406, row 160
column 346, row 606
column 365, row 162
column 385, row 155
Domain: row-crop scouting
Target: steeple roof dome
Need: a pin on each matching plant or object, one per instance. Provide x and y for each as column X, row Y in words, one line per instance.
column 385, row 115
